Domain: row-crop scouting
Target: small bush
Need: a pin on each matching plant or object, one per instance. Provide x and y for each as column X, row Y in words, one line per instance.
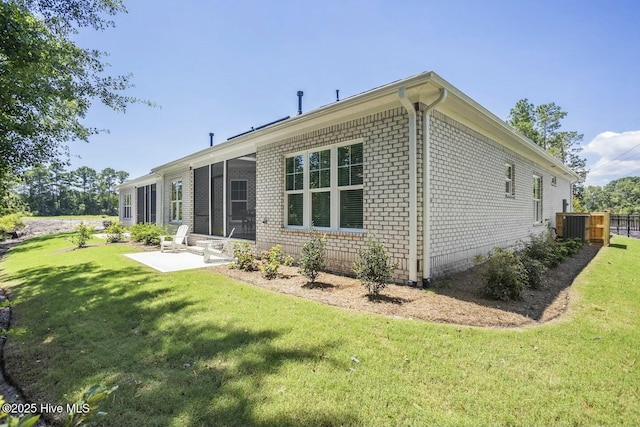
column 572, row 246
column 82, row 235
column 10, row 223
column 115, row 232
column 504, row 276
column 147, row 233
column 107, row 223
column 534, row 269
column 244, row 259
column 271, row 260
column 544, row 249
column 312, row 259
column 373, row 268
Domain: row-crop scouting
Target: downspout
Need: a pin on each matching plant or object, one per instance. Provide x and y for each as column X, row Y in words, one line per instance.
column 426, row 186
column 413, row 188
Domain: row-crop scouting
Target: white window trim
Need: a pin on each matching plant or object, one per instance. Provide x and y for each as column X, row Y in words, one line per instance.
column 177, row 202
column 127, row 211
column 538, row 208
column 333, row 189
column 554, row 181
column 511, row 180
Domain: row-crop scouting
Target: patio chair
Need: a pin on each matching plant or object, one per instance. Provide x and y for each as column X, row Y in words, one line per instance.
column 177, row 241
column 217, row 247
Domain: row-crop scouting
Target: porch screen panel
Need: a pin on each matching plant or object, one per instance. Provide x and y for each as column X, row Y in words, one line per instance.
column 152, row 203
column 140, row 205
column 217, row 199
column 201, row 200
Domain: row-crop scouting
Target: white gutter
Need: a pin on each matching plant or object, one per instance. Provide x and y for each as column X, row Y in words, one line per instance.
column 413, row 188
column 426, row 187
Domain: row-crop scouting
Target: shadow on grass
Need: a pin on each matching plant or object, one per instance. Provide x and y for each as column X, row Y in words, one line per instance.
column 131, row 327
column 467, row 286
column 617, row 246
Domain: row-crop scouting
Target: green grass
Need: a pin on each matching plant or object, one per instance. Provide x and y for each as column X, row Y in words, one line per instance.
column 79, row 217
column 260, row 358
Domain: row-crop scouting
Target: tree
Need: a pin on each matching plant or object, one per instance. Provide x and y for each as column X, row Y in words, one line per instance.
column 47, row 83
column 620, row 196
column 541, row 124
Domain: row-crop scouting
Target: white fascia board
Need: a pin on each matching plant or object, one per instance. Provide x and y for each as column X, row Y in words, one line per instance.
column 224, row 151
column 140, row 181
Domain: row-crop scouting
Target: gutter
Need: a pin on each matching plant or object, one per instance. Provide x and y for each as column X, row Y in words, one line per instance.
column 426, row 187
column 413, row 188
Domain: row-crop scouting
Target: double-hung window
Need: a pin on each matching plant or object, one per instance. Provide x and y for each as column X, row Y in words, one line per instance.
column 509, row 179
column 126, row 208
column 320, row 187
column 350, row 179
column 537, row 199
column 294, row 175
column 176, row 201
column 324, row 187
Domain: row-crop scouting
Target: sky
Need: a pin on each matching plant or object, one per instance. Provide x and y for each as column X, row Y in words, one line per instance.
column 225, row 66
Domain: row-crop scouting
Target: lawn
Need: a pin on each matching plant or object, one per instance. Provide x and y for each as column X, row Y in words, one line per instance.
column 198, row 349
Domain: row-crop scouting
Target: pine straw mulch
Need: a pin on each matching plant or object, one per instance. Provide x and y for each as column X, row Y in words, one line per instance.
column 456, row 299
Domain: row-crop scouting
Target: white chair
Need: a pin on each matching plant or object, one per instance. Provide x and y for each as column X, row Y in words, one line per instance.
column 177, row 241
column 217, row 248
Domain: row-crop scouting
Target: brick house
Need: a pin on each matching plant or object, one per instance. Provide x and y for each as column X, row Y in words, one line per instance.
column 430, row 173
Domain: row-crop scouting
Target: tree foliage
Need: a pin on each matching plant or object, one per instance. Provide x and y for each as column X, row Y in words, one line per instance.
column 620, row 196
column 47, row 82
column 51, row 190
column 542, row 125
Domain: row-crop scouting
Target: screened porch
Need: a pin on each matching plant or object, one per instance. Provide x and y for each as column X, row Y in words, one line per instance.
column 224, row 198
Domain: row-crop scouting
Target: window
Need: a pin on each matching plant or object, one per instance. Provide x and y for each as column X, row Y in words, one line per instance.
column 350, row 179
column 126, row 206
column 176, row 201
column 320, row 187
column 294, row 172
column 537, row 199
column 553, row 181
column 509, row 180
column 324, row 188
column 238, row 199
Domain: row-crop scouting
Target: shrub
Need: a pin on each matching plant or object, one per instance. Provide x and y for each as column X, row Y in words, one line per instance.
column 312, row 259
column 147, row 233
column 115, row 232
column 572, row 246
column 82, row 235
column 534, row 269
column 271, row 260
column 544, row 249
column 373, row 268
column 107, row 223
column 244, row 259
column 10, row 223
column 504, row 276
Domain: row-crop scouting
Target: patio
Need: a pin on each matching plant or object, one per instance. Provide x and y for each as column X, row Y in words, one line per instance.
column 175, row 261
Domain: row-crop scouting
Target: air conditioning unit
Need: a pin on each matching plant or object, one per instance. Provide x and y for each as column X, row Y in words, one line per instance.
column 575, row 226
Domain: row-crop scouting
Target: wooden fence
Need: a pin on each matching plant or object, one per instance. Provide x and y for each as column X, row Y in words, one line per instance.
column 593, row 227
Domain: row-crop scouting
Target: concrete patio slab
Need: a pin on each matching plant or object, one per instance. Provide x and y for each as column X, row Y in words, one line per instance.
column 178, row 261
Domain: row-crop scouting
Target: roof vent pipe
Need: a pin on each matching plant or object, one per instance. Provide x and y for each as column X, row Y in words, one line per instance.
column 337, row 95
column 300, row 93
column 210, row 139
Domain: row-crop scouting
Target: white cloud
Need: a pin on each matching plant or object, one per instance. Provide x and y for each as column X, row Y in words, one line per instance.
column 615, row 155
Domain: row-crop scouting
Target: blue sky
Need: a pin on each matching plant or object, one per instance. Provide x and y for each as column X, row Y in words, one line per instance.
column 223, row 67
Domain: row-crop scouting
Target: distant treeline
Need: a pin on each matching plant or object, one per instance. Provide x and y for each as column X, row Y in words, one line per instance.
column 620, row 196
column 52, row 190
